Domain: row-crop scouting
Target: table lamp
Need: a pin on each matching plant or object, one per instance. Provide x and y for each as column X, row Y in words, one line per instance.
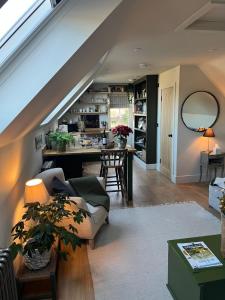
column 209, row 133
column 35, row 191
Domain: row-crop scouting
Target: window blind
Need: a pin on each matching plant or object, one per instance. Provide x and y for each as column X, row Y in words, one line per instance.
column 119, row 101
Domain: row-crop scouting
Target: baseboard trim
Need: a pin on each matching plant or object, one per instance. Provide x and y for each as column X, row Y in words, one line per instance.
column 144, row 165
column 186, row 178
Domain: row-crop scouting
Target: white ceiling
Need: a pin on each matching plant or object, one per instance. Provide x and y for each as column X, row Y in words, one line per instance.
column 152, row 25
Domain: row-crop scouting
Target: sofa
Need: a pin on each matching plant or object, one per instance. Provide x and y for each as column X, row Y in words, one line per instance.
column 216, row 190
column 98, row 215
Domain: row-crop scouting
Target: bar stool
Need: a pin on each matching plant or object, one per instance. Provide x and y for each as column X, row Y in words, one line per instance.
column 112, row 159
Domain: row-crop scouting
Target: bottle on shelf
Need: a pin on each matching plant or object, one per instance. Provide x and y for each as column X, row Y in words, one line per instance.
column 104, row 138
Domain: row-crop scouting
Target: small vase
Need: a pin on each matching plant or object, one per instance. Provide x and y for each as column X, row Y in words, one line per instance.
column 223, row 235
column 122, row 143
column 37, row 261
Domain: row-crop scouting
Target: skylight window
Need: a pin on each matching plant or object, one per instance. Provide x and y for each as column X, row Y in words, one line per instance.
column 18, row 20
column 13, row 12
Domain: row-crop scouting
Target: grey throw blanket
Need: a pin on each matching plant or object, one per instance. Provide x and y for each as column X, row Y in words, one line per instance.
column 91, row 191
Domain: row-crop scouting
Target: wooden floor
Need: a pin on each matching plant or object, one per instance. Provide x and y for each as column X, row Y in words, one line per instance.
column 150, row 188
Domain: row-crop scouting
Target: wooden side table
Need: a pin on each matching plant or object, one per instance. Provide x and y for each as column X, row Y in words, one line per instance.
column 186, row 284
column 211, row 162
column 40, row 284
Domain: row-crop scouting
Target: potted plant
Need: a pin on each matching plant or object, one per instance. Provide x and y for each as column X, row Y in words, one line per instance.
column 121, row 132
column 42, row 226
column 61, row 139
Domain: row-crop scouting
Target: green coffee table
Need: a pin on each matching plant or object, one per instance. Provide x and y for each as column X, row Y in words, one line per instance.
column 186, row 284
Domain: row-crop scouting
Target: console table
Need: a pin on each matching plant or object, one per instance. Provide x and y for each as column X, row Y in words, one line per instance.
column 38, row 284
column 186, row 284
column 211, row 162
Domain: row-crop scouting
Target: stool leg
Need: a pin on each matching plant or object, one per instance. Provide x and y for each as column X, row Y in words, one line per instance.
column 117, row 179
column 105, row 171
column 121, row 181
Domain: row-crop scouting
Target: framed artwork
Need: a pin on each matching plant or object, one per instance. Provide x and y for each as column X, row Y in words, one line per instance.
column 38, row 141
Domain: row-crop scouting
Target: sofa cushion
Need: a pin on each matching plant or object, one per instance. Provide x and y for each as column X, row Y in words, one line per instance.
column 98, row 213
column 58, row 186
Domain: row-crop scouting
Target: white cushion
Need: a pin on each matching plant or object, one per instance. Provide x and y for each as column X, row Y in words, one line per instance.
column 220, row 182
column 98, row 213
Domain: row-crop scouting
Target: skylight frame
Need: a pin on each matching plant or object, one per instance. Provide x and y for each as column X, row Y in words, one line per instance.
column 21, row 21
column 9, row 52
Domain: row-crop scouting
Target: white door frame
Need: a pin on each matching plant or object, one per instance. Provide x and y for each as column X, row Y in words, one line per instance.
column 174, row 132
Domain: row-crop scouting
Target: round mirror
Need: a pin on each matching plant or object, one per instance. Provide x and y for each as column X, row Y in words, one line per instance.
column 199, row 111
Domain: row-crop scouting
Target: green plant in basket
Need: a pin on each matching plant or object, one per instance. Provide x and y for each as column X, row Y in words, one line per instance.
column 42, row 225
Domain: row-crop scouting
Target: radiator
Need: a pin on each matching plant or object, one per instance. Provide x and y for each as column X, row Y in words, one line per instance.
column 8, row 290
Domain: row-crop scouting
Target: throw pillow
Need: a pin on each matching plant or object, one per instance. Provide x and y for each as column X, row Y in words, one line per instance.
column 58, row 186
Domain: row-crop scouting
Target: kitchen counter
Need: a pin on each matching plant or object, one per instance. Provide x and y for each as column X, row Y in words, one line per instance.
column 72, row 159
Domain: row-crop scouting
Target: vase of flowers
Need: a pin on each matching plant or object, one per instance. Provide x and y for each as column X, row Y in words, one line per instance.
column 121, row 132
column 222, row 208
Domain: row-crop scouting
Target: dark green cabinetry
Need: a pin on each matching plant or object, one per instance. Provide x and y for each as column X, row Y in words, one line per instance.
column 186, row 284
column 145, row 118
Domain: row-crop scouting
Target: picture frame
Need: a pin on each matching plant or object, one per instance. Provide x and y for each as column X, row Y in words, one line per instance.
column 38, row 141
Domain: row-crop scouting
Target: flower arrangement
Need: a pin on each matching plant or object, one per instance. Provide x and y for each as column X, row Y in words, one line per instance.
column 122, row 131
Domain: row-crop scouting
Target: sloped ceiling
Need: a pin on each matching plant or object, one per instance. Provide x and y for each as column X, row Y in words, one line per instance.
column 149, row 35
column 55, row 61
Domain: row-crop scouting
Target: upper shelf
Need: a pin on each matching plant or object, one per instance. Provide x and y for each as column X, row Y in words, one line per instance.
column 142, row 99
column 90, row 113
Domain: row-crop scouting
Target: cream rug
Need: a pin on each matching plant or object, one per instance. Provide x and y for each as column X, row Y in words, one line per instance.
column 130, row 259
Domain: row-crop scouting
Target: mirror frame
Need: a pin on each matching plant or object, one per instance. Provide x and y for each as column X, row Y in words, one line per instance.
column 218, row 110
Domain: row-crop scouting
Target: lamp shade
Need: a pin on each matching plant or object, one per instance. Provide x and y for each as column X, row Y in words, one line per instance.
column 209, row 133
column 35, row 191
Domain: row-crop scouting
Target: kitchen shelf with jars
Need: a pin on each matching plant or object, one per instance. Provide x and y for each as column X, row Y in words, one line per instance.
column 145, row 119
column 88, row 114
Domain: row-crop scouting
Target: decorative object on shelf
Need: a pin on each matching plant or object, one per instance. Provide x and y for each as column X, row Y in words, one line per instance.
column 121, row 132
column 222, row 209
column 142, row 123
column 41, row 226
column 209, row 133
column 216, row 149
column 60, row 140
column 200, row 110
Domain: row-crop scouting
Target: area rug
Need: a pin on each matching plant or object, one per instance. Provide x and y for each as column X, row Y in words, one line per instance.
column 130, row 258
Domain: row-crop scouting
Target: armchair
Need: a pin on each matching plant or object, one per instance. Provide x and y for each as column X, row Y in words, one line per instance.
column 98, row 215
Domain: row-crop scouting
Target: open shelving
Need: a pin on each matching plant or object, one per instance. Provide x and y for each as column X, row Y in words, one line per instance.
column 145, row 118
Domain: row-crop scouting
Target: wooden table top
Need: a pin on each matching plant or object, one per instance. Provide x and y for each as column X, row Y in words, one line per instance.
column 80, row 150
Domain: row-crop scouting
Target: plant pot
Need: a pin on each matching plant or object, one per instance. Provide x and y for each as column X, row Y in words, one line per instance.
column 61, row 147
column 222, row 235
column 122, row 143
column 37, row 261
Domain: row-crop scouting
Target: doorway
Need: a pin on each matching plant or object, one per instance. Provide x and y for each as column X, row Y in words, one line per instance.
column 166, row 131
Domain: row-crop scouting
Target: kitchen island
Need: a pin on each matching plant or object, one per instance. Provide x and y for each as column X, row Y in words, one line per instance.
column 71, row 161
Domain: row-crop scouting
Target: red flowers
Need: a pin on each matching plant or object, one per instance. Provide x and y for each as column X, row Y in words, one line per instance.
column 122, row 131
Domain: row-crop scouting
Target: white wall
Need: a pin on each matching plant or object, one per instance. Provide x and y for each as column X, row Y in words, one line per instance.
column 19, row 161
column 191, row 143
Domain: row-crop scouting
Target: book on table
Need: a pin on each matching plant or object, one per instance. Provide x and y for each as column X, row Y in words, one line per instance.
column 199, row 255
